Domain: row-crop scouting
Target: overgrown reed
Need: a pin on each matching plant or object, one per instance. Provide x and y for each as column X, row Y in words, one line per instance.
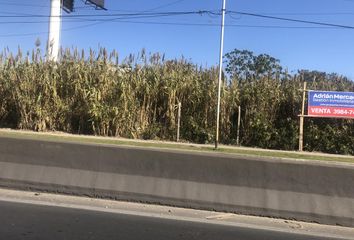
column 136, row 98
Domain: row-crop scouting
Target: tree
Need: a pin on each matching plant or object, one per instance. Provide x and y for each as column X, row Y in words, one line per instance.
column 244, row 64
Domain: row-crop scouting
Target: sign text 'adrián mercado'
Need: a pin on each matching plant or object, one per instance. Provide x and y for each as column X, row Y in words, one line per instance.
column 331, row 104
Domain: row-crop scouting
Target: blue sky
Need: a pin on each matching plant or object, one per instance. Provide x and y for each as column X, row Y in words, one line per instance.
column 297, row 45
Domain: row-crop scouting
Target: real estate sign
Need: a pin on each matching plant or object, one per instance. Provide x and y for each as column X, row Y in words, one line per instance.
column 331, row 104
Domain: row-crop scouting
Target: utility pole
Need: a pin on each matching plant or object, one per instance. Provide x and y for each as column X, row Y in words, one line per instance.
column 54, row 30
column 220, row 74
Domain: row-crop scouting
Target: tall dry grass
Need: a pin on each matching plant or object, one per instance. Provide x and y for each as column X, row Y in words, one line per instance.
column 136, row 97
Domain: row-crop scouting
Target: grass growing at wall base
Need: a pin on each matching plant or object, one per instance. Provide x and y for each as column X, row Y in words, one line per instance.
column 63, row 137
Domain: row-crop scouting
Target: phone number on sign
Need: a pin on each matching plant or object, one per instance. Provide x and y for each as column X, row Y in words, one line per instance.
column 343, row 112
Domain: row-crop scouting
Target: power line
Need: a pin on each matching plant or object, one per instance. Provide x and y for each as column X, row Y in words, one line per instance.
column 167, row 14
column 124, row 18
column 16, row 14
column 166, row 5
column 305, row 13
column 82, row 19
column 171, row 23
column 218, row 25
column 147, row 10
column 84, row 7
column 22, row 4
column 293, row 20
column 115, row 14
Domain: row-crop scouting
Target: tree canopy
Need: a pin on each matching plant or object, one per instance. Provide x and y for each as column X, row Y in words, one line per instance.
column 245, row 64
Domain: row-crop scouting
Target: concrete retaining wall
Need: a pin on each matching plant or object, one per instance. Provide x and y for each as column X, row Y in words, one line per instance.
column 309, row 191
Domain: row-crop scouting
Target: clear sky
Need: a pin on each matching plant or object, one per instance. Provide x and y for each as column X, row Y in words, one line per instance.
column 196, row 37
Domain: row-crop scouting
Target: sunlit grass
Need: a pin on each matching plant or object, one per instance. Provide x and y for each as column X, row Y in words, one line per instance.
column 176, row 146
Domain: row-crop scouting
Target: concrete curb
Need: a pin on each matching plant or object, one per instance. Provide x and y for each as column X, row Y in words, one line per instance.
column 300, row 190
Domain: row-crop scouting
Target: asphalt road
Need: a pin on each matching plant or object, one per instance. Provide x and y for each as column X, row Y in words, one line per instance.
column 36, row 222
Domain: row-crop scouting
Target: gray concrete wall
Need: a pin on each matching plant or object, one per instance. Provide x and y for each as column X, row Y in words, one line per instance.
column 309, row 191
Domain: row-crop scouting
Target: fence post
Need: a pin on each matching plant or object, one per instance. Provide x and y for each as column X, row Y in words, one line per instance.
column 238, row 126
column 179, row 120
column 302, row 116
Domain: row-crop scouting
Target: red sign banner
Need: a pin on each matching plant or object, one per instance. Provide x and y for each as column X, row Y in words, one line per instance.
column 331, row 104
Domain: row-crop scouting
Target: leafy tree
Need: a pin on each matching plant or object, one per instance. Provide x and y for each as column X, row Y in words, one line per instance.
column 244, row 64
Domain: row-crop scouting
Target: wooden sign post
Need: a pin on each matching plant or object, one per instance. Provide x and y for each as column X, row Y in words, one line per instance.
column 302, row 116
column 238, row 126
column 327, row 104
column 179, row 106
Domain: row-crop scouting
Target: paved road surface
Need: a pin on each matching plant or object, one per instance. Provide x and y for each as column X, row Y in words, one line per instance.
column 35, row 222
